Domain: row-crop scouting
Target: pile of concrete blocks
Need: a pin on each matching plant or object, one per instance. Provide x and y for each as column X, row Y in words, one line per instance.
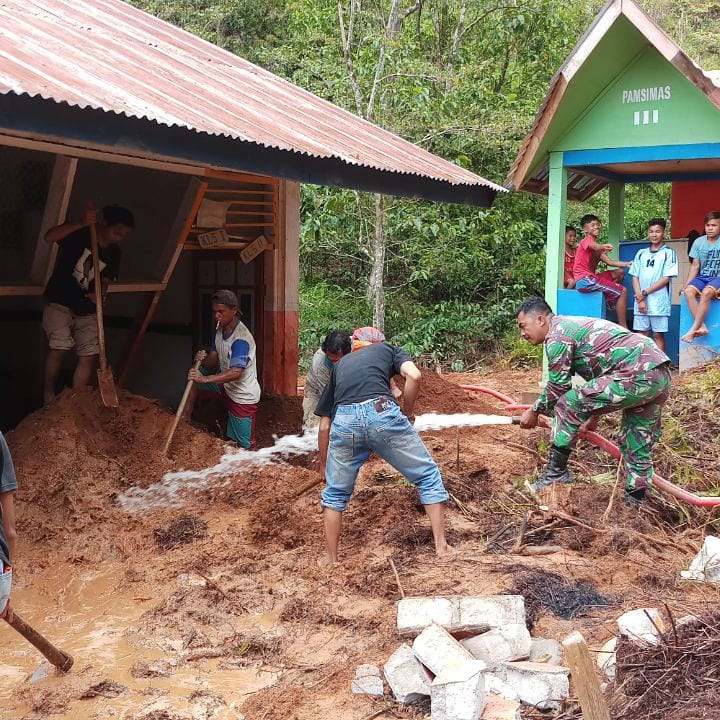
column 474, row 658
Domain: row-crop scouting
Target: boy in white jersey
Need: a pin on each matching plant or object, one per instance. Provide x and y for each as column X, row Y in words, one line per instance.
column 230, row 370
column 652, row 271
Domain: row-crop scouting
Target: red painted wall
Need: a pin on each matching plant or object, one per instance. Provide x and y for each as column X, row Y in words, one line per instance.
column 691, row 201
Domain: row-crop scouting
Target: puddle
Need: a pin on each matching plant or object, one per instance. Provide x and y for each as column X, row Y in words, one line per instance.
column 94, row 620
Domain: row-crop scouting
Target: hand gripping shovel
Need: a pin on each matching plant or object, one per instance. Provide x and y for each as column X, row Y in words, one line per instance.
column 106, row 382
column 61, row 660
column 179, row 412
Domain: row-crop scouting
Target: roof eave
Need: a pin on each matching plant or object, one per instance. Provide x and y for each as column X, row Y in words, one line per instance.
column 47, row 120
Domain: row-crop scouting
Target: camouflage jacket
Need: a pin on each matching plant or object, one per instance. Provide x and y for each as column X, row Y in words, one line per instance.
column 590, row 347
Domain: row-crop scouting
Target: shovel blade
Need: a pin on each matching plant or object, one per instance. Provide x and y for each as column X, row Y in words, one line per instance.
column 108, row 391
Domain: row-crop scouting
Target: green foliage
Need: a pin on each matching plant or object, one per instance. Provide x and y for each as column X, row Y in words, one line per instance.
column 463, row 86
column 323, row 308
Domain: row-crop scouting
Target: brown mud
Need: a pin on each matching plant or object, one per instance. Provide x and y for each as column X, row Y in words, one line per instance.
column 218, row 610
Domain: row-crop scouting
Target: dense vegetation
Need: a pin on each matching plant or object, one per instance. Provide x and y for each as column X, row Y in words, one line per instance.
column 463, row 79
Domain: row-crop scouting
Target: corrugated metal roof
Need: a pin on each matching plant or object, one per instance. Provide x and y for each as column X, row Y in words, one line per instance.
column 107, row 55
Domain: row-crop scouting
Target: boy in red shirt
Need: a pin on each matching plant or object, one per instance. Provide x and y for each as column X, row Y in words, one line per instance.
column 587, row 256
column 570, row 240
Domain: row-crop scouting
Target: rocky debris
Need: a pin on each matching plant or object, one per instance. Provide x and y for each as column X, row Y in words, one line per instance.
column 705, row 566
column 606, row 659
column 367, row 681
column 463, row 681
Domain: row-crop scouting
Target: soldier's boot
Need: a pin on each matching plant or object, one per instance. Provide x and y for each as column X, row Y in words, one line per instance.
column 556, row 470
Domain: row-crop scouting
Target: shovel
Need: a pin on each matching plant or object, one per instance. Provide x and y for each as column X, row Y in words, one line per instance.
column 180, row 409
column 106, row 382
column 60, row 659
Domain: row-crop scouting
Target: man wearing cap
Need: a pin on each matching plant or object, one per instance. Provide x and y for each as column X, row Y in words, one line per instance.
column 229, row 369
column 359, row 415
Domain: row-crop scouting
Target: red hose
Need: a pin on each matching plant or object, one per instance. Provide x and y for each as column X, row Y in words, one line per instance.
column 611, row 448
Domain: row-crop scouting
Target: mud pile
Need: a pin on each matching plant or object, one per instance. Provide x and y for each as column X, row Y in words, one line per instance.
column 218, row 610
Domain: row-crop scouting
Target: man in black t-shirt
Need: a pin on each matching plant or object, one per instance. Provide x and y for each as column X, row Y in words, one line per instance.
column 359, row 415
column 69, row 317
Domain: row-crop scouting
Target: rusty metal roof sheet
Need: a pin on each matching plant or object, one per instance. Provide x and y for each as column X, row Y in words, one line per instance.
column 108, row 55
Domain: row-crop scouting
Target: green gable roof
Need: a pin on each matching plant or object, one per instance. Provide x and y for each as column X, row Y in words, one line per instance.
column 625, row 86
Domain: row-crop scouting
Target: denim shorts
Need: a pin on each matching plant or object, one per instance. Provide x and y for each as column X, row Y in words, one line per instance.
column 5, row 584
column 377, row 426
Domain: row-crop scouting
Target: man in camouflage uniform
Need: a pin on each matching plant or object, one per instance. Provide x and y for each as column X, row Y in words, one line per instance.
column 624, row 371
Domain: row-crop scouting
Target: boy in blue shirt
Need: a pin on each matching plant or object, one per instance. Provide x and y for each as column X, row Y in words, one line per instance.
column 704, row 277
column 652, row 272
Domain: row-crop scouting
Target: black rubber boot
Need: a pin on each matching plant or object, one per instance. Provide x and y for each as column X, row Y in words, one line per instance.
column 556, row 470
column 633, row 498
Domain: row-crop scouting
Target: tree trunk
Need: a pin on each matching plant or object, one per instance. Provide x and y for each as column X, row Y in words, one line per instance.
column 376, row 289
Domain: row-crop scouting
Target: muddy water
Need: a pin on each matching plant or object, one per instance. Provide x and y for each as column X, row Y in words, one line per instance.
column 168, row 491
column 89, row 615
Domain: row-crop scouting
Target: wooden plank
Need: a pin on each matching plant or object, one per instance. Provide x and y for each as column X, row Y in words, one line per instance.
column 19, row 290
column 61, row 184
column 181, row 227
column 168, row 259
column 240, row 177
column 130, row 287
column 585, row 678
column 61, row 147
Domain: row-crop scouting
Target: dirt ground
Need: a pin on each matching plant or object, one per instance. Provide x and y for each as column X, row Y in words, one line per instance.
column 216, row 608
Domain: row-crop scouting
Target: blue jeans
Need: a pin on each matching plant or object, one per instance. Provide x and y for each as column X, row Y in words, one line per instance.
column 359, row 429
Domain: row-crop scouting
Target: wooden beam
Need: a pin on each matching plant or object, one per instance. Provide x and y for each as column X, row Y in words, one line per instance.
column 168, row 259
column 130, row 287
column 240, row 177
column 181, row 228
column 61, row 184
column 18, row 290
column 584, row 678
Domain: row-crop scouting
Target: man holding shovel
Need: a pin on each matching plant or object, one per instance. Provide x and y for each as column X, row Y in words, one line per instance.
column 229, row 370
column 69, row 316
column 624, row 371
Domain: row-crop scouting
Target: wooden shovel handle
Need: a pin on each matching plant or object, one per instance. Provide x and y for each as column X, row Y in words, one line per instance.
column 57, row 657
column 180, row 409
column 98, row 295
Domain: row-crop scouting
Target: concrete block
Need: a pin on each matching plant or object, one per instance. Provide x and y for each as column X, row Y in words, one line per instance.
column 509, row 642
column 644, row 624
column 458, row 692
column 705, row 566
column 407, row 678
column 367, row 681
column 545, row 650
column 437, row 649
column 492, row 611
column 460, row 614
column 414, row 614
column 538, row 684
column 498, row 708
column 495, row 684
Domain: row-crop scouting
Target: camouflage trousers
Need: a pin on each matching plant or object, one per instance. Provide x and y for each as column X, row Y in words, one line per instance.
column 640, row 398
